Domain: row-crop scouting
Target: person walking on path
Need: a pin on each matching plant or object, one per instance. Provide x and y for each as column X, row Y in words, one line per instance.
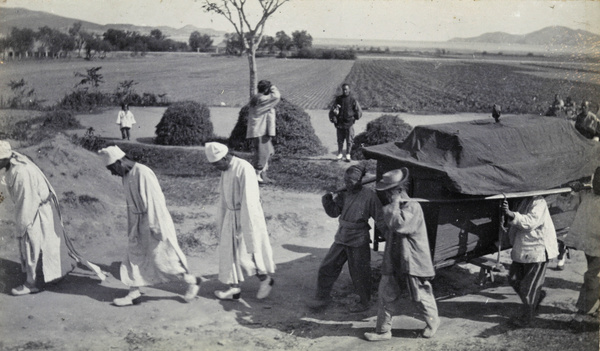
column 40, row 237
column 585, row 235
column 344, row 111
column 261, row 127
column 354, row 207
column 533, row 239
column 125, row 120
column 406, row 258
column 153, row 254
column 243, row 238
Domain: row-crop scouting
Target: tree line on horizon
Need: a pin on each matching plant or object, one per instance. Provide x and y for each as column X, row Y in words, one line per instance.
column 54, row 43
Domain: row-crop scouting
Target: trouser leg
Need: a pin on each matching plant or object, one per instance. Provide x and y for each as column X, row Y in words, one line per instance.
column 123, row 134
column 388, row 293
column 359, row 265
column 527, row 279
column 349, row 140
column 421, row 293
column 127, row 132
column 590, row 289
column 30, row 257
column 263, row 150
column 341, row 136
column 330, row 270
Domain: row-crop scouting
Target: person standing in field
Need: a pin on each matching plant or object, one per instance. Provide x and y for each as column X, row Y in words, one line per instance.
column 354, row 207
column 344, row 111
column 585, row 235
column 533, row 238
column 125, row 120
column 36, row 208
column 406, row 258
column 153, row 253
column 243, row 238
column 261, row 127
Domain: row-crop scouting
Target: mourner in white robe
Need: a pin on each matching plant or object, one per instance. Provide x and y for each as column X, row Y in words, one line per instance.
column 244, row 241
column 38, row 223
column 153, row 253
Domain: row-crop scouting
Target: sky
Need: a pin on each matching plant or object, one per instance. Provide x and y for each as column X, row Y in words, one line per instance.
column 420, row 20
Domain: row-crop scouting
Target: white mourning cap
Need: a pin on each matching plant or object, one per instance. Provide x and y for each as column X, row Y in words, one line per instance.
column 5, row 149
column 111, row 154
column 215, row 151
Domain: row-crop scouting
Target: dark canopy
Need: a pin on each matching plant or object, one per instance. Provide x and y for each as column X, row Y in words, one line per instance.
column 520, row 153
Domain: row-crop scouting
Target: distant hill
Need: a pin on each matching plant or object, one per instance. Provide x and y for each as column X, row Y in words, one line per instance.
column 554, row 35
column 23, row 18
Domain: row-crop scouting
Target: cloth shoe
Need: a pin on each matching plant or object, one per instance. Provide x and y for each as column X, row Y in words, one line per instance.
column 24, row 290
column 132, row 298
column 560, row 265
column 266, row 179
column 339, row 157
column 259, row 177
column 230, row 294
column 378, row 336
column 265, row 288
column 429, row 331
column 348, row 158
column 192, row 292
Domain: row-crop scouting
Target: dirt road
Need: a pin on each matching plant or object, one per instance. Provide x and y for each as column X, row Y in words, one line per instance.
column 77, row 314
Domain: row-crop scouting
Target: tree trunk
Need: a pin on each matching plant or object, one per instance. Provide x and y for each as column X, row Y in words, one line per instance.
column 252, row 66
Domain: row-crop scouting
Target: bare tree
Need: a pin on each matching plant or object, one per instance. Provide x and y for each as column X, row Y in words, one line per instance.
column 237, row 12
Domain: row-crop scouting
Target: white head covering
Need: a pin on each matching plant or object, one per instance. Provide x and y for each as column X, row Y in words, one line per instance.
column 215, row 151
column 111, row 154
column 5, row 149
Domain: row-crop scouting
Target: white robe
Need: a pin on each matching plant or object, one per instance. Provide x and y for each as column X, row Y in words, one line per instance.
column 39, row 221
column 153, row 254
column 244, row 240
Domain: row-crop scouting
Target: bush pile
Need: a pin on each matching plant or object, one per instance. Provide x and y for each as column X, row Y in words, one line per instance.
column 295, row 134
column 185, row 123
column 61, row 119
column 385, row 129
column 83, row 100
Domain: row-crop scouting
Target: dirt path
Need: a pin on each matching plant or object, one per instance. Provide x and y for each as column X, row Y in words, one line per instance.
column 76, row 314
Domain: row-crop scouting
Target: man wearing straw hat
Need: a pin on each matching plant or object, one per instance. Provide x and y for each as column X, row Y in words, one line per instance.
column 406, row 258
column 36, row 206
column 243, row 238
column 153, row 254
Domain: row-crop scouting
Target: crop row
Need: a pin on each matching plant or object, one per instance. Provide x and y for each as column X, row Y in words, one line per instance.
column 439, row 86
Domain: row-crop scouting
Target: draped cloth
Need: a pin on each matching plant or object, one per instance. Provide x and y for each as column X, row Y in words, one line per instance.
column 37, row 208
column 153, row 254
column 244, row 241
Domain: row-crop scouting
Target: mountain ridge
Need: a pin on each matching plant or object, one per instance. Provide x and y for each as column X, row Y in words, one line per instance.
column 551, row 35
column 24, row 18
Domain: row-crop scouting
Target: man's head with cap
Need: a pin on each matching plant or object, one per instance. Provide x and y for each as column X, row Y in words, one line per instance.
column 353, row 177
column 5, row 153
column 396, row 179
column 392, row 185
column 112, row 157
column 217, row 155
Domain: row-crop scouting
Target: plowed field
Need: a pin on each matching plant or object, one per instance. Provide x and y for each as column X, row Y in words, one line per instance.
column 216, row 81
column 449, row 86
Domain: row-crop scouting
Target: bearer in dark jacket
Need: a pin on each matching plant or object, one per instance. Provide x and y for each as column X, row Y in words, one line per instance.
column 344, row 112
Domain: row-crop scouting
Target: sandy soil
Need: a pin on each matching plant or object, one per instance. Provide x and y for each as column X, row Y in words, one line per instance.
column 76, row 314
